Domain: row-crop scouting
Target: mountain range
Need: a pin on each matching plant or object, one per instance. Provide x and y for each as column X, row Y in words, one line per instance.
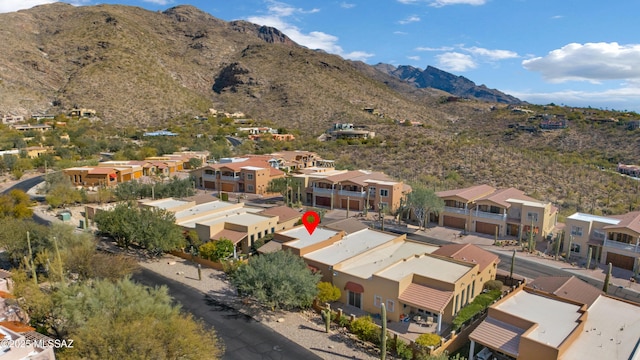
column 136, row 66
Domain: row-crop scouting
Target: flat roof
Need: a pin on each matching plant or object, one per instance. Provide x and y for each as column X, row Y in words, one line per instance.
column 202, row 208
column 610, row 332
column 166, row 203
column 243, row 219
column 556, row 319
column 370, row 262
column 305, row 239
column 350, row 246
column 427, row 266
column 206, row 218
column 590, row 218
column 527, row 202
column 252, row 168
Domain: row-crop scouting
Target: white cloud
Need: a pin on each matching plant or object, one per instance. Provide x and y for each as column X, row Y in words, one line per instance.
column 453, row 61
column 277, row 17
column 443, row 48
column 441, row 3
column 15, row 5
column 414, row 58
column 556, row 17
column 401, row 33
column 407, row 2
column 492, row 54
column 592, row 62
column 346, row 5
column 410, row 19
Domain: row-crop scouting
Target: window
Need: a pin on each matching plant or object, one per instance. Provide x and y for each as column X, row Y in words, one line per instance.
column 377, row 300
column 355, row 299
column 455, row 308
column 531, row 216
column 273, row 230
column 391, row 305
column 249, row 176
column 575, row 248
column 209, row 172
column 372, row 191
column 576, row 230
column 384, row 192
column 250, row 188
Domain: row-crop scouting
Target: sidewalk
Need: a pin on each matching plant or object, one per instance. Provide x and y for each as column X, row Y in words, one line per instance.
column 305, row 328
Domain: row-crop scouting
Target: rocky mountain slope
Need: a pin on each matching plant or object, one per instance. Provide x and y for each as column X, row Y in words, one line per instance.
column 435, row 78
column 141, row 67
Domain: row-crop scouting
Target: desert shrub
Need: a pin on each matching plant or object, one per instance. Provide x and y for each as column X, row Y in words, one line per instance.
column 327, row 292
column 493, row 285
column 426, row 340
column 365, row 329
column 344, row 321
column 403, row 350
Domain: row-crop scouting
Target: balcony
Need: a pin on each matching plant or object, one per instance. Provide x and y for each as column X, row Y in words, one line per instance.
column 359, row 194
column 322, row 191
column 622, row 246
column 488, row 215
column 456, row 210
column 229, row 178
column 206, row 177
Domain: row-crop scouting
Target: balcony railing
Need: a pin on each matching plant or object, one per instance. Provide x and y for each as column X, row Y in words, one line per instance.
column 208, row 177
column 488, row 215
column 323, row 191
column 360, row 194
column 456, row 210
column 229, row 178
column 622, row 246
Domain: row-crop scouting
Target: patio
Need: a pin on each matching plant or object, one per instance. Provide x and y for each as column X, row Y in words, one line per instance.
column 413, row 325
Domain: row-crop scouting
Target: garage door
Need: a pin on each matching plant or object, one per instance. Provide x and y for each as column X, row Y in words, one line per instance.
column 227, row 187
column 621, row 261
column 323, row 201
column 209, row 184
column 353, row 204
column 486, row 228
column 453, row 222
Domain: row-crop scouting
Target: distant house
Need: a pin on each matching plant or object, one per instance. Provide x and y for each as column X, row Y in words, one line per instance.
column 12, row 119
column 348, row 131
column 554, row 123
column 29, row 127
column 632, row 125
column 631, row 170
column 75, row 112
column 160, row 133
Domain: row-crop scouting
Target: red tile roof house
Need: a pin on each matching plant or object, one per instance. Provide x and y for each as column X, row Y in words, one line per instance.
column 486, row 210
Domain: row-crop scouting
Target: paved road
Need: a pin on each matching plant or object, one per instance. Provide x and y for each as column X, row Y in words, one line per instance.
column 234, row 141
column 25, row 185
column 244, row 338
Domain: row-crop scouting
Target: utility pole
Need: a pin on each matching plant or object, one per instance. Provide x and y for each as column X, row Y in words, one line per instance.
column 381, row 216
column 366, row 207
column 348, row 199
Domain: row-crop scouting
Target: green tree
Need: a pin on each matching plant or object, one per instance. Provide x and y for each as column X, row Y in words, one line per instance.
column 195, row 163
column 277, row 280
column 327, row 292
column 281, row 186
column 16, row 205
column 60, row 191
column 423, row 201
column 124, row 320
column 151, row 228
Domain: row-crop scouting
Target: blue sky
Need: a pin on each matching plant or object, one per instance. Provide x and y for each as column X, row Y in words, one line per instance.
column 571, row 52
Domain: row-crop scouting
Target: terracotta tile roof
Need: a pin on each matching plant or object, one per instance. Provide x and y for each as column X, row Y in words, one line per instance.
column 468, row 253
column 270, row 247
column 629, row 221
column 500, row 197
column 236, row 166
column 498, row 335
column 275, row 172
column 16, row 326
column 284, row 213
column 426, row 298
column 568, row 287
column 359, row 177
column 234, row 236
column 349, row 226
column 354, row 287
column 469, row 194
column 101, row 171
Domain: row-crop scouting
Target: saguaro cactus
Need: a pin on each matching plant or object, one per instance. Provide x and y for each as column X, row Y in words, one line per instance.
column 383, row 334
column 327, row 318
column 589, row 258
column 607, row 278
